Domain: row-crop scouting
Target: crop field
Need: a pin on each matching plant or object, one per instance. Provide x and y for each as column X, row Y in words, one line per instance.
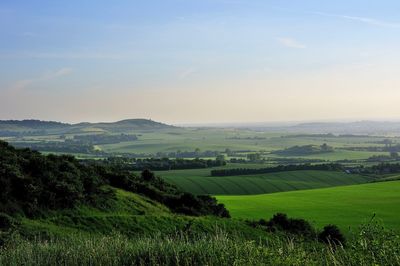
column 347, row 206
column 235, row 139
column 340, row 155
column 241, row 141
column 199, row 181
column 244, row 141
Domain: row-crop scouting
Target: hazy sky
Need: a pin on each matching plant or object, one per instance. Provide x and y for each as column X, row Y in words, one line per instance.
column 198, row 61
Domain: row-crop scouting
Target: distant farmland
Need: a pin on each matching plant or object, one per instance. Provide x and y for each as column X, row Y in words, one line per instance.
column 200, row 182
column 346, row 206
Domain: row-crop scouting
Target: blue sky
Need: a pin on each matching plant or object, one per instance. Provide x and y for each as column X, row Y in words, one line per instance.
column 199, row 61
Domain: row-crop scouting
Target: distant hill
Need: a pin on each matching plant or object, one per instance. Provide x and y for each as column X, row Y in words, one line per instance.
column 304, row 150
column 357, row 127
column 130, row 124
column 35, row 127
column 30, row 124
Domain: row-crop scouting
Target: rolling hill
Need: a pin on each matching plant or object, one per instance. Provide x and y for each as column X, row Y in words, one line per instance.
column 53, row 210
column 38, row 127
column 199, row 181
column 347, row 206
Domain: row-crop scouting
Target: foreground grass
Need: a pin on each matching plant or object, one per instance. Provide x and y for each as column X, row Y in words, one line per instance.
column 371, row 246
column 347, row 206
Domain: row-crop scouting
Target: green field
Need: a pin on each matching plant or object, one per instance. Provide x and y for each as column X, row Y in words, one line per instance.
column 161, row 141
column 199, row 181
column 347, row 206
column 187, row 139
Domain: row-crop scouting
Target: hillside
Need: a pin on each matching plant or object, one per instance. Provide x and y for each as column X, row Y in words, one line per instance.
column 38, row 127
column 54, row 209
column 357, row 127
column 57, row 196
column 29, row 125
column 304, row 150
column 347, row 206
column 32, row 184
column 199, row 181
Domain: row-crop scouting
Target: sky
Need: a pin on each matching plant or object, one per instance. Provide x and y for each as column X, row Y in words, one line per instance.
column 200, row 61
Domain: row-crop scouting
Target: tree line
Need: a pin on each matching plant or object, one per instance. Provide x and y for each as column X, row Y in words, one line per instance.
column 279, row 168
column 164, row 164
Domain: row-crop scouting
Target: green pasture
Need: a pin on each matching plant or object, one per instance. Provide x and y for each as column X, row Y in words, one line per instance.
column 240, row 140
column 199, row 181
column 338, row 154
column 220, row 139
column 347, row 206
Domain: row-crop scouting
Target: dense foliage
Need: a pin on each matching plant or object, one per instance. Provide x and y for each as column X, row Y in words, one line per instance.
column 384, row 168
column 331, row 234
column 280, row 222
column 58, row 146
column 279, row 168
column 379, row 169
column 305, row 150
column 31, row 182
column 163, row 164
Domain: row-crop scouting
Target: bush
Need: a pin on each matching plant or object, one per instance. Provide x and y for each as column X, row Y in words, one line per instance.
column 332, row 235
column 280, row 222
column 6, row 222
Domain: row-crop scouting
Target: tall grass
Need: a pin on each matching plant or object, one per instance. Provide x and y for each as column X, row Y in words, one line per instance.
column 370, row 246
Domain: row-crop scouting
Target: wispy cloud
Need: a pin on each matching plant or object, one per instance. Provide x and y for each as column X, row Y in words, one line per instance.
column 290, row 43
column 24, row 83
column 74, row 56
column 187, row 72
column 366, row 20
column 100, row 56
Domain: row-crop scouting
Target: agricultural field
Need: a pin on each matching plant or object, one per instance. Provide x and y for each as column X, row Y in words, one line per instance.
column 242, row 141
column 199, row 181
column 152, row 139
column 346, row 206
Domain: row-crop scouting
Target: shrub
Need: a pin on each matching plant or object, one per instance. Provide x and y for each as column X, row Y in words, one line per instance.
column 281, row 222
column 331, row 234
column 6, row 222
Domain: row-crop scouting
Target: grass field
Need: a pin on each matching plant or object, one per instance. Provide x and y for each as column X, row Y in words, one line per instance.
column 339, row 154
column 346, row 206
column 238, row 140
column 242, row 141
column 199, row 181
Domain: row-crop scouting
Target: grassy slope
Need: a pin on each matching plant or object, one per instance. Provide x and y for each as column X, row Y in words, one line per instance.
column 199, row 181
column 131, row 215
column 346, row 206
column 125, row 206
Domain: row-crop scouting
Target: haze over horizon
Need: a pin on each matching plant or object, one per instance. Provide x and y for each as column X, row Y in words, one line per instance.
column 211, row 61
